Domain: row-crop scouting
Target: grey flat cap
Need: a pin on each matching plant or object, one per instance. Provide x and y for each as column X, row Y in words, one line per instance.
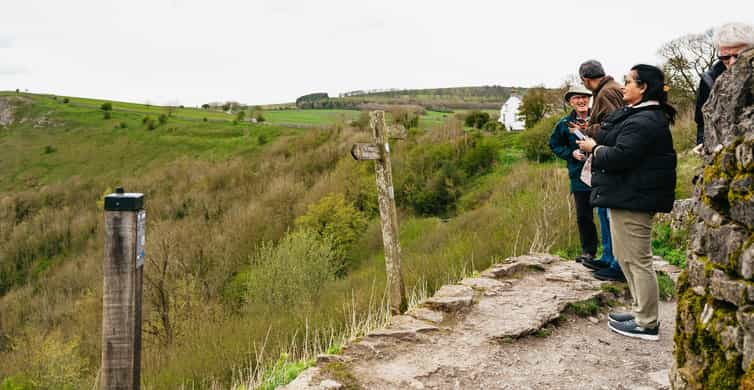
column 591, row 69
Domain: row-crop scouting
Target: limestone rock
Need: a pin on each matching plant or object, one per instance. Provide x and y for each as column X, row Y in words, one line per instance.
column 724, row 288
column 745, row 156
column 742, row 210
column 725, row 116
column 746, row 262
column 425, row 314
column 451, row 298
column 510, row 269
column 484, row 284
column 684, row 212
column 745, row 317
column 716, row 189
column 720, row 243
column 696, row 272
column 710, row 216
column 732, row 338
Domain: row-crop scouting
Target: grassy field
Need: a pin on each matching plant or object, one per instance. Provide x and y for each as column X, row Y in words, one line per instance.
column 58, row 141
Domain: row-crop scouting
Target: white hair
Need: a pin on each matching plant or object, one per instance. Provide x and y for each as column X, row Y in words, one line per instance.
column 734, row 34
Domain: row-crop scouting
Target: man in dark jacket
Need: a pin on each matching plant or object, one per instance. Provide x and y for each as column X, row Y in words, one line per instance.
column 730, row 39
column 563, row 144
column 607, row 98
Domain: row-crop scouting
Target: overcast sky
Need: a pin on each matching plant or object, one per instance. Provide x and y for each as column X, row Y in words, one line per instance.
column 267, row 51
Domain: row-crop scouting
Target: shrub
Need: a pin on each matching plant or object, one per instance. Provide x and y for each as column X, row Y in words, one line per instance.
column 293, row 272
column 240, row 116
column 205, row 106
column 204, row 119
column 65, row 100
column 479, row 159
column 106, row 106
column 262, row 139
column 259, row 117
column 476, row 119
column 49, row 149
column 535, row 140
column 333, row 218
column 107, row 115
column 492, row 126
column 407, row 118
column 163, row 118
column 123, row 125
column 146, row 119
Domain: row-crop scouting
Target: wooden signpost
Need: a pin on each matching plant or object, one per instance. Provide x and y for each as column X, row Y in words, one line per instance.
column 379, row 151
column 122, row 291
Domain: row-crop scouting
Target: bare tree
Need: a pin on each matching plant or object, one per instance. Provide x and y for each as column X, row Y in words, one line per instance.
column 686, row 59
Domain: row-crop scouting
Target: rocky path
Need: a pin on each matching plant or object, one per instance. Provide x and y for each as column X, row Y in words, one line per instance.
column 508, row 329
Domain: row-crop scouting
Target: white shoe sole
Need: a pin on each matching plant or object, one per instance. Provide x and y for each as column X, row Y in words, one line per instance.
column 649, row 337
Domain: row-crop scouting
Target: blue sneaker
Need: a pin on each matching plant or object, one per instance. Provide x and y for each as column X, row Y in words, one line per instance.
column 620, row 317
column 631, row 329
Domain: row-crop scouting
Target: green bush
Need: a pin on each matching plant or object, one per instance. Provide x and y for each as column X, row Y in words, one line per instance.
column 163, row 118
column 477, row 119
column 293, row 271
column 535, row 140
column 492, row 126
column 106, row 106
column 479, row 159
column 107, row 115
column 335, row 219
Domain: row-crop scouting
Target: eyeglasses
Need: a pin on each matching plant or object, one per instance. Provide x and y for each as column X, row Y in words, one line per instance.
column 727, row 57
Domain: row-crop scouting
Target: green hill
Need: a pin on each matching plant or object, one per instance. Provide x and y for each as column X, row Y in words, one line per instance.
column 261, row 238
column 438, row 99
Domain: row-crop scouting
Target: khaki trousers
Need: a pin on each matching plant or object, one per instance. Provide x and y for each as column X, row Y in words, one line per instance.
column 631, row 232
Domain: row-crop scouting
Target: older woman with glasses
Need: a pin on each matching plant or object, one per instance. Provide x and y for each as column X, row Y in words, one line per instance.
column 633, row 174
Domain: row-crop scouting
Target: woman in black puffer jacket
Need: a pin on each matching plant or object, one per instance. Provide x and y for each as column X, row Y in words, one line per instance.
column 633, row 174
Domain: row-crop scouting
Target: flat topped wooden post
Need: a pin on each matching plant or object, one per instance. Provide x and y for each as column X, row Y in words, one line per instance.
column 122, row 291
column 379, row 151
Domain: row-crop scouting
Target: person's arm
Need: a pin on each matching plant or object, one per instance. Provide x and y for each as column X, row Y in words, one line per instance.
column 630, row 146
column 559, row 143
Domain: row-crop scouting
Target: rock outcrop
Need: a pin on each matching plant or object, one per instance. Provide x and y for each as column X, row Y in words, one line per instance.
column 714, row 338
column 472, row 334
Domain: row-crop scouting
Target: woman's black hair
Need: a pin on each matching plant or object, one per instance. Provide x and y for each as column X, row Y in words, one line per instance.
column 654, row 79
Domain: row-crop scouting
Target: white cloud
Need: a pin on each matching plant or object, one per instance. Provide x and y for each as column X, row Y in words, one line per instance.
column 275, row 50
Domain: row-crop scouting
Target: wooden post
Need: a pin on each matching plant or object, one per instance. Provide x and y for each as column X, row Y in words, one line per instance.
column 122, row 291
column 379, row 151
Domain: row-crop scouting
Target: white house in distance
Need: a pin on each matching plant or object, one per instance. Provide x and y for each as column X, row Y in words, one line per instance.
column 509, row 114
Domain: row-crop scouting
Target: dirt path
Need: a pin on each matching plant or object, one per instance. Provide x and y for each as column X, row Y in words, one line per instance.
column 504, row 330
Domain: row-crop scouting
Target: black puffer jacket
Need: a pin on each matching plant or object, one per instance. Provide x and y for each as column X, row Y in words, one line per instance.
column 634, row 168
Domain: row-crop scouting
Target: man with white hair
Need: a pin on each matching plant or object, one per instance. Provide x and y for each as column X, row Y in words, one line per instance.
column 731, row 39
